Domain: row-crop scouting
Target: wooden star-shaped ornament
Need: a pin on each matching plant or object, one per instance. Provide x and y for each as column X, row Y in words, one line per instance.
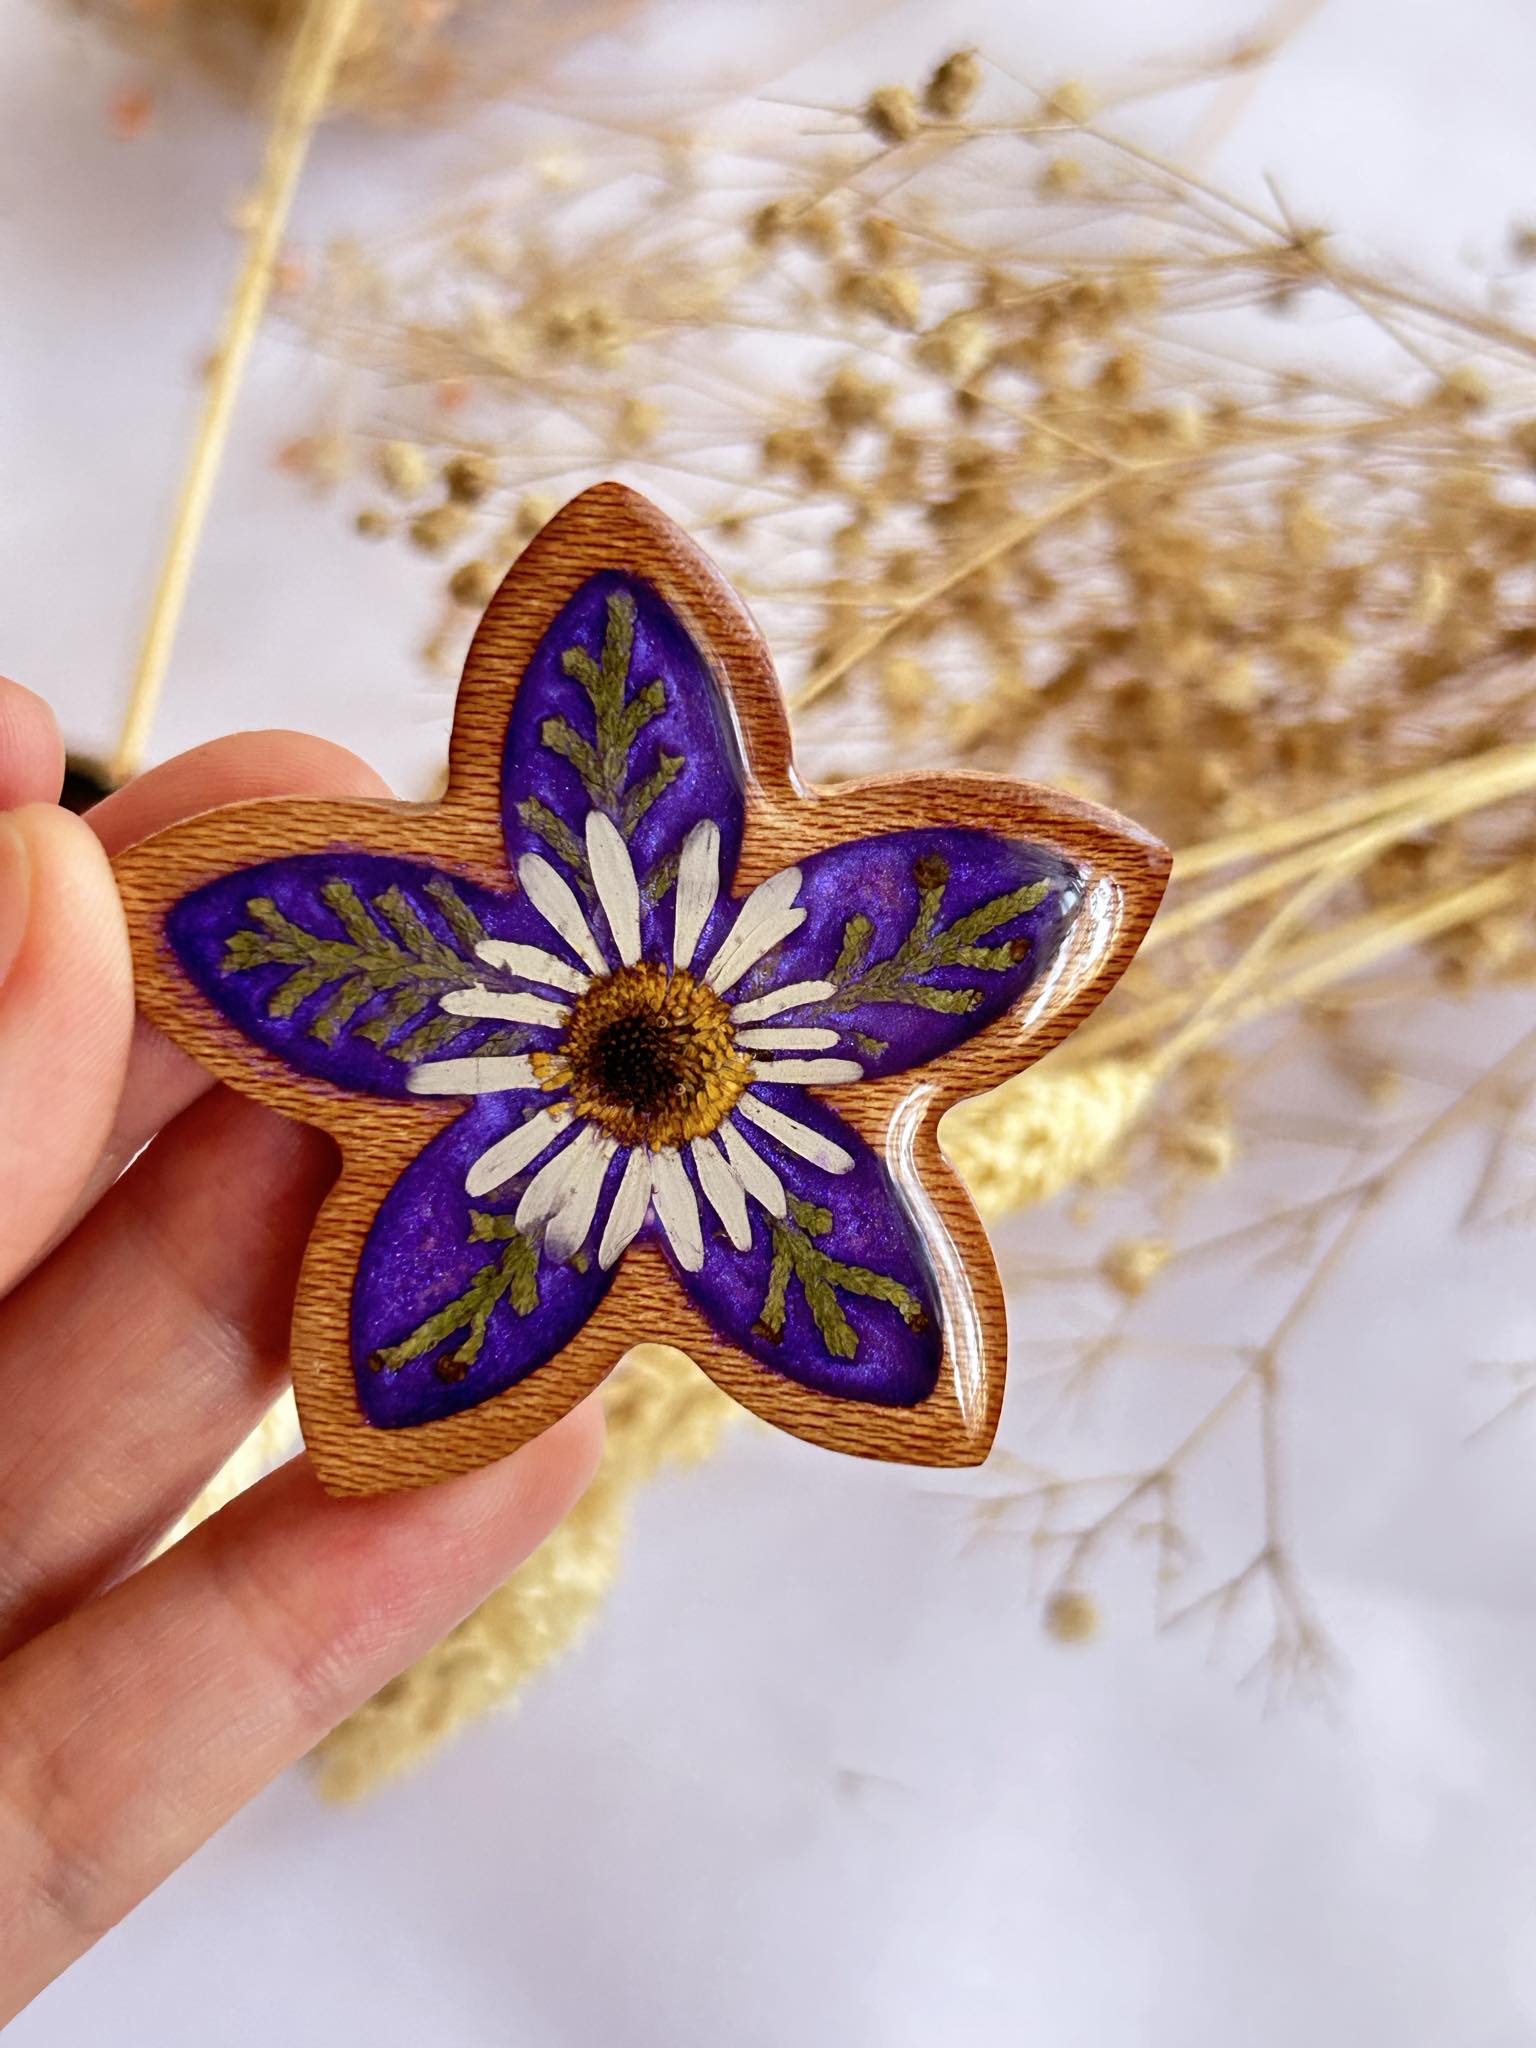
column 633, row 1036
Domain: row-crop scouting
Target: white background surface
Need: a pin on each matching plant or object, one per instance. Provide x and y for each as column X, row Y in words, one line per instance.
column 818, row 1778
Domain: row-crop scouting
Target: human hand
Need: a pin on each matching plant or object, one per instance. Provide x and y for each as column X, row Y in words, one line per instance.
column 143, row 1334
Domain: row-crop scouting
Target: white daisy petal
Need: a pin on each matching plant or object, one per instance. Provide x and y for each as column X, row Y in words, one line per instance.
column 471, row 1076
column 532, row 963
column 629, row 1206
column 677, row 1209
column 790, row 997
column 786, row 1038
column 508, row 1156
column 571, row 1223
column 547, row 1190
column 518, row 1007
column 555, row 900
column 698, row 885
column 768, row 915
column 753, row 1170
column 807, row 1073
column 558, row 1181
column 724, row 1191
column 795, row 1136
column 613, row 875
column 764, row 939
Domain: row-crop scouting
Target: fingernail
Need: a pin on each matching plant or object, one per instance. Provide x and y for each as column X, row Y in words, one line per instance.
column 15, row 892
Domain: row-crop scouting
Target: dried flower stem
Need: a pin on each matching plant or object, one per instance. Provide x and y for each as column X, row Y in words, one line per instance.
column 1298, row 1650
column 1315, row 966
column 1399, row 794
column 316, row 50
column 1469, row 787
column 996, row 545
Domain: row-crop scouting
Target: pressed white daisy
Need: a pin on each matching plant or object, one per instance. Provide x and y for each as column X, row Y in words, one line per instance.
column 637, row 1052
column 649, row 1057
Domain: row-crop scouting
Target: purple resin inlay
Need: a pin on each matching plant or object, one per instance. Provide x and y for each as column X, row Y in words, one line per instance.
column 877, row 879
column 205, row 932
column 897, row 1360
column 420, row 1256
column 694, row 728
column 339, row 962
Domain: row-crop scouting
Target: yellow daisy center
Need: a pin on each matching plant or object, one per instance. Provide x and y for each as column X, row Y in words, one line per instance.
column 650, row 1057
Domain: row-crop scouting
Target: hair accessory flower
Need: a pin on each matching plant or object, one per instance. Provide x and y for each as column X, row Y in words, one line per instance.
column 632, row 1036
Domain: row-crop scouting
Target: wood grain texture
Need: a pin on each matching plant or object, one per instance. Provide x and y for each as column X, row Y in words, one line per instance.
column 1124, row 869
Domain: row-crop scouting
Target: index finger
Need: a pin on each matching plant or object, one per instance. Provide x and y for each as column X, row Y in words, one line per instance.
column 228, row 771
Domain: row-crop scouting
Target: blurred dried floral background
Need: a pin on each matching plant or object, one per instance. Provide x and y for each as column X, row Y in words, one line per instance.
column 402, row 61
column 1033, row 451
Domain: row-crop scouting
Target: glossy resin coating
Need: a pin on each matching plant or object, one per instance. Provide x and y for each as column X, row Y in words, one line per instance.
column 632, row 1037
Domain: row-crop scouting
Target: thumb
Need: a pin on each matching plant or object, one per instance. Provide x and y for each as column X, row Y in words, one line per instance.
column 66, row 1013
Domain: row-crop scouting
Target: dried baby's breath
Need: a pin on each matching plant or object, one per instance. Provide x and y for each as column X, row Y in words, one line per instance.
column 953, row 85
column 1072, row 1617
column 1210, row 582
column 1133, row 1263
column 473, row 584
column 434, row 530
column 403, row 468
column 469, row 478
column 892, row 114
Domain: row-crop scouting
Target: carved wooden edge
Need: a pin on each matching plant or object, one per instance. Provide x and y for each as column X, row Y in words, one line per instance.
column 1125, row 871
